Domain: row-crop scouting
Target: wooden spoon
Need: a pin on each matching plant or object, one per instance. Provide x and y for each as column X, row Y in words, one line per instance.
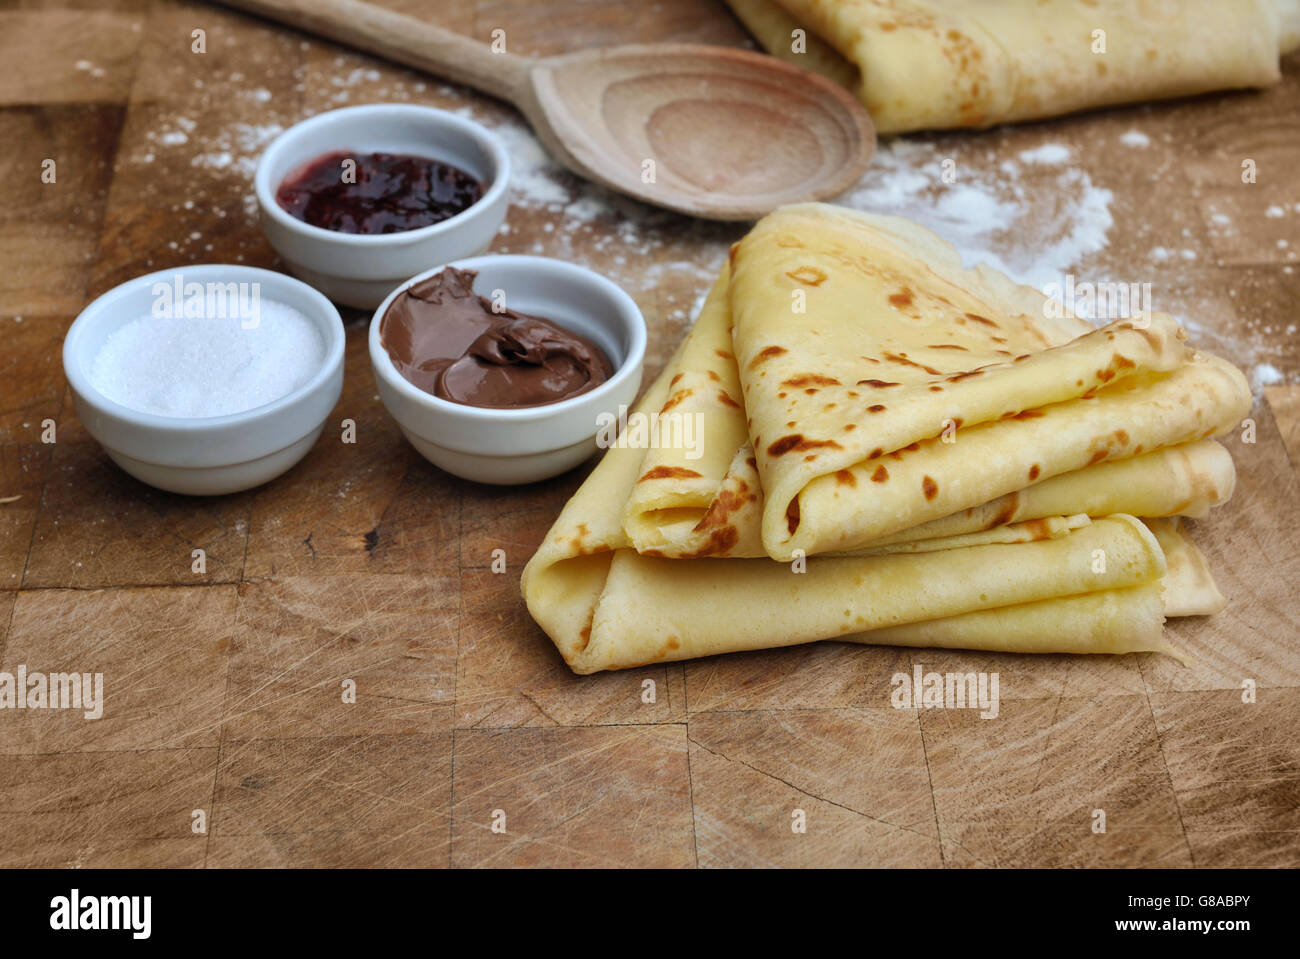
column 707, row 131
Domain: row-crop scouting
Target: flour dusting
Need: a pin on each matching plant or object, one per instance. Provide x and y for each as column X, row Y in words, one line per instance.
column 985, row 212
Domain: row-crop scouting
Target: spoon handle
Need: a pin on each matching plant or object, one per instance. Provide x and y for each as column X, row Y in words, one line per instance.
column 402, row 39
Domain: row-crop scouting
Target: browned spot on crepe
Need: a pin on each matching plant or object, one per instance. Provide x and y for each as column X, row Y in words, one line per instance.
column 679, row 397
column 880, row 475
column 724, row 504
column 792, row 515
column 795, row 442
column 726, row 400
column 720, row 541
column 1007, row 511
column 957, row 377
column 876, row 454
column 929, row 487
column 1038, row 529
column 766, row 354
column 947, row 346
column 901, row 299
column 808, row 276
column 903, row 359
column 1034, row 472
column 876, row 408
column 811, row 379
column 669, row 472
column 982, row 319
column 845, row 478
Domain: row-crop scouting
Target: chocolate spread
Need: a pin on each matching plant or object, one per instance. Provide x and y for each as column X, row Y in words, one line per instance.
column 450, row 342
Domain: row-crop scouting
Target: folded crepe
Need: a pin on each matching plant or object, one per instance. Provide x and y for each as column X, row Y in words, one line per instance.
column 885, row 386
column 606, row 606
column 925, row 64
column 707, row 499
column 667, row 553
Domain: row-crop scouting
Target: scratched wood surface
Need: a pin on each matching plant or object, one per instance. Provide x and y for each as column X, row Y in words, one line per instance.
column 223, row 689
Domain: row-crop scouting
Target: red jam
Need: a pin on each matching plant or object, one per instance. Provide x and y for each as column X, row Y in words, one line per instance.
column 384, row 193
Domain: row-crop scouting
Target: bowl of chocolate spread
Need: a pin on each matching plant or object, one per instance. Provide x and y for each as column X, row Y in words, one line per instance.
column 504, row 369
column 357, row 200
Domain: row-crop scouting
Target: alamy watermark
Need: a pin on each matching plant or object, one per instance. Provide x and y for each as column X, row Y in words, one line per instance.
column 651, row 431
column 932, row 690
column 23, row 690
column 75, row 911
column 208, row 301
column 1098, row 301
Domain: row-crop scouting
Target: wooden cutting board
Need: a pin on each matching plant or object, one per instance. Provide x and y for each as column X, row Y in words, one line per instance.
column 225, row 740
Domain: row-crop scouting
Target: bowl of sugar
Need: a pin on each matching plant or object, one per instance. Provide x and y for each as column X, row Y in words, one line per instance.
column 206, row 380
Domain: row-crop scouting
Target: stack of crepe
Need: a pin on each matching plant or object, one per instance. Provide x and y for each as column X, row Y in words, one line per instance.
column 932, row 64
column 895, row 450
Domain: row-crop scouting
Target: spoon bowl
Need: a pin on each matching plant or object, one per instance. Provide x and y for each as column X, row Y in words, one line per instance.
column 713, row 132
column 707, row 131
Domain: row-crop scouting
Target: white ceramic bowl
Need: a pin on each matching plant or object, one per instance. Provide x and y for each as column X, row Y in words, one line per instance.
column 359, row 270
column 534, row 443
column 208, row 455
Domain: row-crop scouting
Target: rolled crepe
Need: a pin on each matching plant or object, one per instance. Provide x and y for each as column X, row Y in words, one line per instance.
column 886, row 387
column 706, row 498
column 605, row 606
column 924, row 64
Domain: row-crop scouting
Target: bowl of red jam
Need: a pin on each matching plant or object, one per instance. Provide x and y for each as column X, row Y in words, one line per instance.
column 357, row 200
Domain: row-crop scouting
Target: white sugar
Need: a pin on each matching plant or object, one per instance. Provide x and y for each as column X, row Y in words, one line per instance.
column 191, row 365
column 1135, row 138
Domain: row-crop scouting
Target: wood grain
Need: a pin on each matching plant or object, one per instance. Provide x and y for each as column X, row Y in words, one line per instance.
column 224, row 690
